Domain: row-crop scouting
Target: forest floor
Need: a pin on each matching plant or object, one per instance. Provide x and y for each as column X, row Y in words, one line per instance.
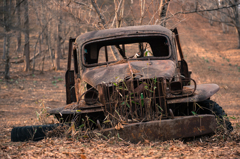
column 212, row 57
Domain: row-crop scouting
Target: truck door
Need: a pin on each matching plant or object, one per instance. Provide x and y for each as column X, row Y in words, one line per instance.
column 69, row 76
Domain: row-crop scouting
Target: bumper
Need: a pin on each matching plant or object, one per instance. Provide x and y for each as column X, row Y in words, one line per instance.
column 180, row 127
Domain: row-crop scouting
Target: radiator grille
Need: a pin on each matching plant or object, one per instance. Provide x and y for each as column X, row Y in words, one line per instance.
column 134, row 100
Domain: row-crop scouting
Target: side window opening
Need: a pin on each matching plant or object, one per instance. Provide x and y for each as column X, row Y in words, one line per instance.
column 160, row 48
column 91, row 54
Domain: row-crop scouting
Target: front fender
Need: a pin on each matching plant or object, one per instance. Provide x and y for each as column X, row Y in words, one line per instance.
column 203, row 92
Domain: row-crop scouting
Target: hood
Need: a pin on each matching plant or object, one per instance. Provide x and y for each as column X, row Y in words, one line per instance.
column 114, row 72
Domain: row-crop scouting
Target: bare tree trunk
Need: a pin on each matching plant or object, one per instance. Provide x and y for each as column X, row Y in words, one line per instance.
column 7, row 60
column 237, row 21
column 40, row 50
column 57, row 51
column 101, row 17
column 35, row 49
column 40, row 45
column 58, row 48
column 44, row 34
column 63, row 49
column 43, row 63
column 47, row 33
column 26, row 34
column 49, row 43
column 18, row 12
column 4, row 47
column 44, row 21
column 142, row 3
column 117, row 10
column 7, row 21
column 5, row 18
column 238, row 30
column 163, row 14
column 160, row 7
column 223, row 16
column 121, row 14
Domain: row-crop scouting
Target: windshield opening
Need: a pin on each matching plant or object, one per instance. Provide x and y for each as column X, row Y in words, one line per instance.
column 102, row 52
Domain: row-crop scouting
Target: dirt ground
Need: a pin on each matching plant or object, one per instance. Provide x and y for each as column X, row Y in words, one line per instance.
column 212, row 57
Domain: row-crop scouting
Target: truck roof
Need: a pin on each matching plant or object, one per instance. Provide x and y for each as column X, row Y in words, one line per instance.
column 123, row 31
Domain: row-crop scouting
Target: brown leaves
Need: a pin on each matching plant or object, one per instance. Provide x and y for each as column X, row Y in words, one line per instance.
column 237, row 153
column 97, row 148
column 83, row 156
column 65, row 147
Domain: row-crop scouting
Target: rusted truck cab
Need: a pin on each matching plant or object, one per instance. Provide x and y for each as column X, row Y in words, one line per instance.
column 134, row 81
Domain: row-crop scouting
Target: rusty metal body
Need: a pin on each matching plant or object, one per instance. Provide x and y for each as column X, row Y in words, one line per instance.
column 147, row 93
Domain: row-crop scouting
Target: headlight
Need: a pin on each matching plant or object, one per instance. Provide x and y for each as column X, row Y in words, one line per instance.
column 91, row 97
column 176, row 87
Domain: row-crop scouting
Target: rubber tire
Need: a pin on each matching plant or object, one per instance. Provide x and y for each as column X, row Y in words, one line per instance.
column 217, row 111
column 26, row 133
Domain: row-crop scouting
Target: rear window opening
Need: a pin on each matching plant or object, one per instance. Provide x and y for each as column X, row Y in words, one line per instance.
column 138, row 48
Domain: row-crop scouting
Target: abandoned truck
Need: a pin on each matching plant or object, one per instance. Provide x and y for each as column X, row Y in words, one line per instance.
column 134, row 82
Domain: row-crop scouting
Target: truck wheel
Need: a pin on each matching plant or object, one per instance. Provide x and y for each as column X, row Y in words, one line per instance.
column 215, row 109
column 34, row 133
